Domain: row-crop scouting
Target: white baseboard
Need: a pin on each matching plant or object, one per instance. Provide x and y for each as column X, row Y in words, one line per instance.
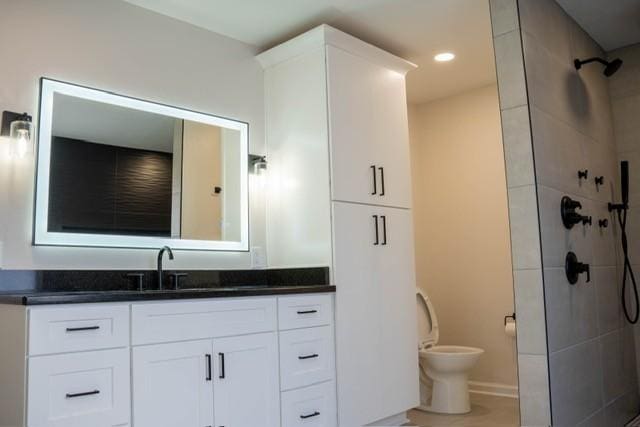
column 393, row 421
column 493, row 389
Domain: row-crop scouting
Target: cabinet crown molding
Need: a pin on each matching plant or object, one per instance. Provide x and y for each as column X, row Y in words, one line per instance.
column 324, row 35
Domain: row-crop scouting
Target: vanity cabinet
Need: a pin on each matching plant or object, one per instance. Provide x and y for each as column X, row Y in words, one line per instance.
column 189, row 363
column 340, row 188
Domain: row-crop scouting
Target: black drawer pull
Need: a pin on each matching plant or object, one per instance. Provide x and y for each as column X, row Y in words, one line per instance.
column 307, row 311
column 382, row 179
column 84, row 328
column 208, row 360
column 222, row 373
column 375, row 184
column 310, row 356
column 315, row 414
column 86, row 393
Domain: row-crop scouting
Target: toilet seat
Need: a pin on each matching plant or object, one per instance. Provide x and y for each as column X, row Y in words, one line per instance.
column 428, row 330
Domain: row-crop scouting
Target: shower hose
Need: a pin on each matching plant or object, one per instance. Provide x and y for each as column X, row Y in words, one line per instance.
column 628, row 270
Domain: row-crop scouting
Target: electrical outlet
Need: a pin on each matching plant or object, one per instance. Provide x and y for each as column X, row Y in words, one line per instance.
column 258, row 257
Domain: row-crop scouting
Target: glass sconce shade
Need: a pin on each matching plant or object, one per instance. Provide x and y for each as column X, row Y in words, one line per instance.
column 21, row 135
column 260, row 167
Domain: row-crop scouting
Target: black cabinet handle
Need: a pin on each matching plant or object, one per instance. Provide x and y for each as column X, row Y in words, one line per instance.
column 83, row 328
column 307, row 311
column 222, row 373
column 310, row 356
column 384, row 229
column 86, row 393
column 315, row 414
column 377, row 242
column 375, row 183
column 382, row 180
column 208, row 359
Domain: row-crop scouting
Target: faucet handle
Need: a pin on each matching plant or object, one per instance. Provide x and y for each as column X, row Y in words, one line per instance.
column 176, row 278
column 139, row 277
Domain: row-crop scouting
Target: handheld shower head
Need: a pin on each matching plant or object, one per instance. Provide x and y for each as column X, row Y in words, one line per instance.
column 610, row 67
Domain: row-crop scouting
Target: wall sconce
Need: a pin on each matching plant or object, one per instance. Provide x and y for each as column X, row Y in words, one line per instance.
column 258, row 164
column 19, row 128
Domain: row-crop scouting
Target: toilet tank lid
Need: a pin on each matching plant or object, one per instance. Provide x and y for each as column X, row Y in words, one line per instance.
column 428, row 331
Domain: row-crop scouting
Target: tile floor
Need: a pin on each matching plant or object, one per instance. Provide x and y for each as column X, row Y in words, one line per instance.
column 486, row 411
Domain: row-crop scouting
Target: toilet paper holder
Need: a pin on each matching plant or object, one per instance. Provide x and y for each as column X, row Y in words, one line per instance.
column 510, row 316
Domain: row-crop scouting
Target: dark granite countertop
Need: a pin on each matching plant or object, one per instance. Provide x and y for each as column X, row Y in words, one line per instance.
column 78, row 297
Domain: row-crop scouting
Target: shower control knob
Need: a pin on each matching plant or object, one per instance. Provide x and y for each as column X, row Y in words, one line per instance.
column 574, row 268
column 583, row 174
column 603, row 223
column 570, row 217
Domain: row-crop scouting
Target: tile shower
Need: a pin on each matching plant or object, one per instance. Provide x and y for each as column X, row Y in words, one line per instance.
column 557, row 121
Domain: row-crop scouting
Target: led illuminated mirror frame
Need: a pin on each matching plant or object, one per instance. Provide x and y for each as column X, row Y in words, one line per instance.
column 115, row 171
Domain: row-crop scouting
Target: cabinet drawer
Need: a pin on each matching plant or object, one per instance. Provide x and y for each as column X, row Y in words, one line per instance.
column 304, row 311
column 306, row 357
column 79, row 390
column 313, row 406
column 193, row 320
column 67, row 329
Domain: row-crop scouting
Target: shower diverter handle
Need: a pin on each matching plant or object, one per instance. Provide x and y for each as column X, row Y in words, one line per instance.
column 574, row 268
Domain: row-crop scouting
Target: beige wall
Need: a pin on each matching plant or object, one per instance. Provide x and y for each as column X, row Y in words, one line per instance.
column 201, row 173
column 463, row 253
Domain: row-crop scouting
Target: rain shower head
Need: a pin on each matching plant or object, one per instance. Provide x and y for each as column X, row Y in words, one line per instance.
column 610, row 67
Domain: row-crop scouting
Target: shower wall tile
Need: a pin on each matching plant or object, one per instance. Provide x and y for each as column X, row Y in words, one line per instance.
column 626, row 82
column 595, row 420
column 626, row 111
column 517, row 147
column 534, row 390
column 605, row 280
column 504, row 16
column 560, row 153
column 576, row 385
column 529, row 295
column 622, row 410
column 523, row 218
column 547, row 22
column 571, row 310
column 617, row 362
column 510, row 70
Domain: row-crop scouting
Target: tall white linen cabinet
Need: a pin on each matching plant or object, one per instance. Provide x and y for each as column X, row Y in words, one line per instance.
column 338, row 191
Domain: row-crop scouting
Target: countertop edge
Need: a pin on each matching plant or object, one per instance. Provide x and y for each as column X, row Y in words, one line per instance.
column 131, row 296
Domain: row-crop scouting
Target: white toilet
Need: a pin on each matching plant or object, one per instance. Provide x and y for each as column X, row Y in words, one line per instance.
column 443, row 369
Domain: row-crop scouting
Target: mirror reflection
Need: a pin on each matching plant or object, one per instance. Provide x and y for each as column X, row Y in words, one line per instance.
column 121, row 171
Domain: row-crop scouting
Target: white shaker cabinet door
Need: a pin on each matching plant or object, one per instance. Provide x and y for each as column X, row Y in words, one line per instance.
column 246, row 386
column 376, row 338
column 369, row 134
column 173, row 385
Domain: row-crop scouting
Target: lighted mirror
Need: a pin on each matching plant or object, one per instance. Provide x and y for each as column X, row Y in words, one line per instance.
column 115, row 171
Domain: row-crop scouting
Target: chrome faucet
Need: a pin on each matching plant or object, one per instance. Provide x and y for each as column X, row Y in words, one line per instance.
column 160, row 272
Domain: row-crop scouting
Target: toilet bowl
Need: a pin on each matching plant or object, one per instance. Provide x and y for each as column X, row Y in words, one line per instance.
column 443, row 368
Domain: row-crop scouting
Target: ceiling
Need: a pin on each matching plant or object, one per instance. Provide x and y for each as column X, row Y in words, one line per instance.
column 413, row 29
column 612, row 23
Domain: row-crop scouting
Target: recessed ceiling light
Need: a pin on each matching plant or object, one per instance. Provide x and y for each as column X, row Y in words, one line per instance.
column 444, row 57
